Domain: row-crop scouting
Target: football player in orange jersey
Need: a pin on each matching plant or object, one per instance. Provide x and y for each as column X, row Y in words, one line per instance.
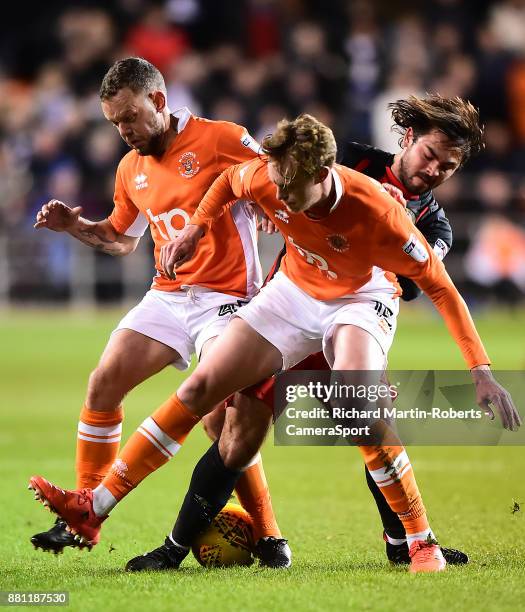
column 174, row 158
column 317, row 297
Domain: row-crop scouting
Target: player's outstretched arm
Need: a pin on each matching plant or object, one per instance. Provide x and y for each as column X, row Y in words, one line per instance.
column 436, row 228
column 415, row 259
column 100, row 235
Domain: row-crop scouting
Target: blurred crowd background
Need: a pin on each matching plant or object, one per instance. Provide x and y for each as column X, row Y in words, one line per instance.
column 253, row 62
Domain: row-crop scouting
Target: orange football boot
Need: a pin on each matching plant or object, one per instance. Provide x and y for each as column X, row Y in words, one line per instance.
column 74, row 507
column 426, row 556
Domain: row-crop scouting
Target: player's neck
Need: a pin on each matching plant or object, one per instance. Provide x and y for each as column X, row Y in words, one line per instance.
column 324, row 206
column 168, row 136
column 395, row 168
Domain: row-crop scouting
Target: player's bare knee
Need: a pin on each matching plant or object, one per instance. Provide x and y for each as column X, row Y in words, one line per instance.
column 194, row 389
column 105, row 390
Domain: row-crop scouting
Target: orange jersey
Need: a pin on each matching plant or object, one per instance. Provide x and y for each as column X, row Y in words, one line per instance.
column 336, row 256
column 164, row 193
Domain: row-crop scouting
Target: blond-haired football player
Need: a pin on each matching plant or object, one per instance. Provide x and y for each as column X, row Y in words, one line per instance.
column 322, row 297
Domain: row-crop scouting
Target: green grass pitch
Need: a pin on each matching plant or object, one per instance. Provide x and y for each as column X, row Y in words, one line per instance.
column 320, row 496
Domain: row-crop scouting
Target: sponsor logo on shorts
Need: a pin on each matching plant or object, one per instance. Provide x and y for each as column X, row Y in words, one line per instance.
column 338, row 242
column 385, row 326
column 229, row 309
column 382, row 310
column 416, row 249
column 189, row 165
column 384, row 313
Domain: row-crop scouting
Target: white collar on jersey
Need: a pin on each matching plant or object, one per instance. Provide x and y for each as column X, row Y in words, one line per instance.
column 338, row 189
column 183, row 116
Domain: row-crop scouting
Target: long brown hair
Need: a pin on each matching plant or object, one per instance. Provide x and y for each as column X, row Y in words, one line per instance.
column 458, row 119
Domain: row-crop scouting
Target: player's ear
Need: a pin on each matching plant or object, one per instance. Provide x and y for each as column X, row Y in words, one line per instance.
column 322, row 174
column 408, row 138
column 159, row 100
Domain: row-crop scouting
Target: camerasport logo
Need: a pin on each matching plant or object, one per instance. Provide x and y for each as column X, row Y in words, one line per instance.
column 189, row 165
column 338, row 242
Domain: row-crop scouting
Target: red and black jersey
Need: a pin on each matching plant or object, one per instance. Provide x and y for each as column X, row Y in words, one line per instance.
column 423, row 209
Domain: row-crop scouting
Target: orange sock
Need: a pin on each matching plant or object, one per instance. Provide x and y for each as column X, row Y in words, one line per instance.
column 390, row 467
column 253, row 494
column 98, row 441
column 156, row 440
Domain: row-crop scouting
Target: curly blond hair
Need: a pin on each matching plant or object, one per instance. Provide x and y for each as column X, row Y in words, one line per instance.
column 306, row 141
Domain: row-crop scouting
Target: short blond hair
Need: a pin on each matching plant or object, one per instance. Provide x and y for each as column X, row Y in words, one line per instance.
column 305, row 140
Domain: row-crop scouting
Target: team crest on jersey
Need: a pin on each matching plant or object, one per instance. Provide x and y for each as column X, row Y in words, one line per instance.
column 189, row 165
column 338, row 242
column 141, row 181
column 282, row 215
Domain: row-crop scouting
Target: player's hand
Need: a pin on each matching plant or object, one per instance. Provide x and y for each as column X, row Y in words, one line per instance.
column 173, row 254
column 264, row 223
column 490, row 396
column 396, row 193
column 57, row 216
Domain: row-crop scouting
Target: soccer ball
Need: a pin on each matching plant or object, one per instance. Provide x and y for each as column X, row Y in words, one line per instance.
column 227, row 541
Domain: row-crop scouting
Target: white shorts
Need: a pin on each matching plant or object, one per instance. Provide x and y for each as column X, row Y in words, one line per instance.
column 299, row 325
column 183, row 320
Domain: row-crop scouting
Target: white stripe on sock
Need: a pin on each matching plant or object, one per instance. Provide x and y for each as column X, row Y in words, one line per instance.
column 111, row 430
column 387, row 475
column 394, row 541
column 177, row 544
column 150, row 439
column 99, row 440
column 254, row 461
column 171, row 445
column 422, row 535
